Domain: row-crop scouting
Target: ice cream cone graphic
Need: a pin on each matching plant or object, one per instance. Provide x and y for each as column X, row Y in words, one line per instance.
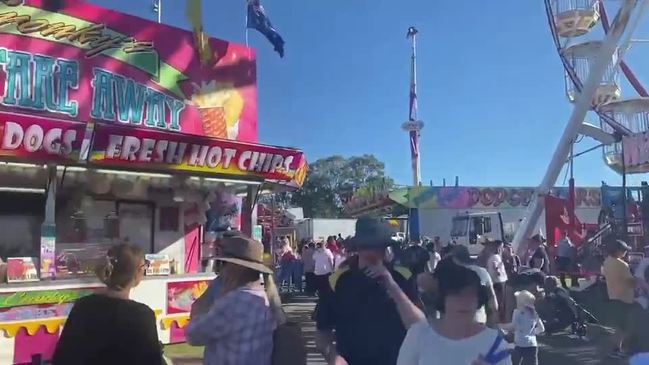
column 220, row 105
column 214, row 124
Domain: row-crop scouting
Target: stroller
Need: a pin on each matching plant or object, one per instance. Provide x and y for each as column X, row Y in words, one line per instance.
column 563, row 312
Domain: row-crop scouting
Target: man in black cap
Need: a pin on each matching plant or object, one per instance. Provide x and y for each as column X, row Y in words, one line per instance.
column 358, row 314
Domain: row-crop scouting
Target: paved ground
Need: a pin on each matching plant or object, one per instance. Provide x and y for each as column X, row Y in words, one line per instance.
column 299, row 309
column 555, row 350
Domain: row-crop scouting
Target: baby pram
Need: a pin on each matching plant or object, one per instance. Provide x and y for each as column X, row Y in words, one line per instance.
column 562, row 312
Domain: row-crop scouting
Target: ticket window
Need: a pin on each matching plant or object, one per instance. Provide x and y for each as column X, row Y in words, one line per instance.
column 87, row 228
column 21, row 216
column 136, row 224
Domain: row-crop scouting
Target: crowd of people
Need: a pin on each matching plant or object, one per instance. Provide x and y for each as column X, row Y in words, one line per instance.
column 379, row 303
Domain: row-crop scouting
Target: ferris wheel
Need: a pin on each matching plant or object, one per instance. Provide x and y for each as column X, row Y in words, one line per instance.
column 594, row 40
column 620, row 101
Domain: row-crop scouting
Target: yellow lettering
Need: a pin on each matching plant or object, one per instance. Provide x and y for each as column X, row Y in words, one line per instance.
column 59, row 30
column 93, row 34
column 32, row 26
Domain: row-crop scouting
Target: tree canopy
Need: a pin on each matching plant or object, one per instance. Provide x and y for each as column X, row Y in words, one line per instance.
column 332, row 180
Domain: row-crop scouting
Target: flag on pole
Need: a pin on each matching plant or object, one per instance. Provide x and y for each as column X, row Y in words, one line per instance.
column 194, row 15
column 414, row 146
column 257, row 19
column 412, row 114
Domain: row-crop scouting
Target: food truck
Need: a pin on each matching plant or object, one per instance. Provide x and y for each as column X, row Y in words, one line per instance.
column 113, row 129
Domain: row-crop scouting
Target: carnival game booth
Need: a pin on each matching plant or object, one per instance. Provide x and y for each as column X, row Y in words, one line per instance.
column 136, row 140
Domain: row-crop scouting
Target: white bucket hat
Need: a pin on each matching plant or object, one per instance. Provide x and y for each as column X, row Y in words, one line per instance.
column 525, row 298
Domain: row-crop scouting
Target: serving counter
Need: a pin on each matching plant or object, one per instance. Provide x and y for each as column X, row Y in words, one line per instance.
column 33, row 314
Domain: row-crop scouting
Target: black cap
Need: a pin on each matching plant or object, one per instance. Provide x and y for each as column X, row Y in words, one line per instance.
column 371, row 233
column 617, row 246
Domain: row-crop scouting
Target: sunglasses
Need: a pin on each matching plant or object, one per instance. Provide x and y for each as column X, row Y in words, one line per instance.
column 145, row 265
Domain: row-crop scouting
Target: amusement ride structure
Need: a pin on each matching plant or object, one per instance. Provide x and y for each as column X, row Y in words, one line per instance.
column 592, row 48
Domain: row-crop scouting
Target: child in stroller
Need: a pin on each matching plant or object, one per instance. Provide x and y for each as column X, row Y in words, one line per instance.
column 564, row 311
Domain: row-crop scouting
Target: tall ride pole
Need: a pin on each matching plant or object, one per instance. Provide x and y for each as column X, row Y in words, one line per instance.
column 413, row 126
column 582, row 105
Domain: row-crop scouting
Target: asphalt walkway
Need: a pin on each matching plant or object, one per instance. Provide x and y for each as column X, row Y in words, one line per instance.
column 557, row 349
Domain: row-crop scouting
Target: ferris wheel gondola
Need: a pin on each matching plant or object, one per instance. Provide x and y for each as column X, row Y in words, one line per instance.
column 573, row 24
column 592, row 83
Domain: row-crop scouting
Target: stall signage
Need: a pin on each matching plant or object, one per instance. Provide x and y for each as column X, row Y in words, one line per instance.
column 150, row 149
column 30, row 312
column 84, row 62
column 461, row 197
column 39, row 138
column 55, row 296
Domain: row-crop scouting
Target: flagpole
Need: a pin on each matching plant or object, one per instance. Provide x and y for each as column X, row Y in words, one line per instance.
column 157, row 7
column 246, row 25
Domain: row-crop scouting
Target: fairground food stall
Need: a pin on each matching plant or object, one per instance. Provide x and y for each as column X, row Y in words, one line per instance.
column 112, row 130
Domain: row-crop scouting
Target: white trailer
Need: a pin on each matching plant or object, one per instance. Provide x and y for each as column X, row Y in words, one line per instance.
column 463, row 225
column 321, row 228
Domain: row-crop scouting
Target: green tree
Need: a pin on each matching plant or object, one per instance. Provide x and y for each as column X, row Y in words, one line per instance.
column 332, row 180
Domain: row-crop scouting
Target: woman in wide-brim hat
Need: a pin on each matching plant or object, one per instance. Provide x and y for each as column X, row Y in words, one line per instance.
column 239, row 324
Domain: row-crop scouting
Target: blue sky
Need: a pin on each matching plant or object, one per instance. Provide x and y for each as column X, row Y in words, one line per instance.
column 491, row 88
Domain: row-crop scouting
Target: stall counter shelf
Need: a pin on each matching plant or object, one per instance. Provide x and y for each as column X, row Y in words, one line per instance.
column 32, row 314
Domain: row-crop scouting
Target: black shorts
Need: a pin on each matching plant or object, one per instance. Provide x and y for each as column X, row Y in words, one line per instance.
column 619, row 312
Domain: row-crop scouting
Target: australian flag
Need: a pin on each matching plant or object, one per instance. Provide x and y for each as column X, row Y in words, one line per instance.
column 257, row 19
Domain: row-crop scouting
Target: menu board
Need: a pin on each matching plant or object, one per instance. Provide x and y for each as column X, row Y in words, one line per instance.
column 158, row 265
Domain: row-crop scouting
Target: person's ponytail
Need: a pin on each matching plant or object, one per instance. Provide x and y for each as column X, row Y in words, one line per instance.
column 274, row 300
column 120, row 266
column 104, row 270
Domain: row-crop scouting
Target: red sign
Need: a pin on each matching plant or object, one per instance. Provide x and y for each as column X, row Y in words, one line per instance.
column 126, row 146
column 37, row 138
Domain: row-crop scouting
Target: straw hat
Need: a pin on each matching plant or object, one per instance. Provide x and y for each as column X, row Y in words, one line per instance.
column 244, row 251
column 525, row 298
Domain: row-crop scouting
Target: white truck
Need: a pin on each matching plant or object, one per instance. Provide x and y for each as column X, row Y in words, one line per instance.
column 320, row 228
column 468, row 227
column 464, row 226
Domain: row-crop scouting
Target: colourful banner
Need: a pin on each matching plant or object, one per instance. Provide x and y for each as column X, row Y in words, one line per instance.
column 370, row 197
column 116, row 145
column 182, row 294
column 86, row 63
column 40, row 139
column 461, row 197
column 31, row 312
column 55, row 296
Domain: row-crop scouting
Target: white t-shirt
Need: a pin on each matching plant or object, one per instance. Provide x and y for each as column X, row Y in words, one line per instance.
column 496, row 269
column 435, row 258
column 526, row 327
column 324, row 262
column 641, row 268
column 424, row 346
column 485, row 279
column 642, row 295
